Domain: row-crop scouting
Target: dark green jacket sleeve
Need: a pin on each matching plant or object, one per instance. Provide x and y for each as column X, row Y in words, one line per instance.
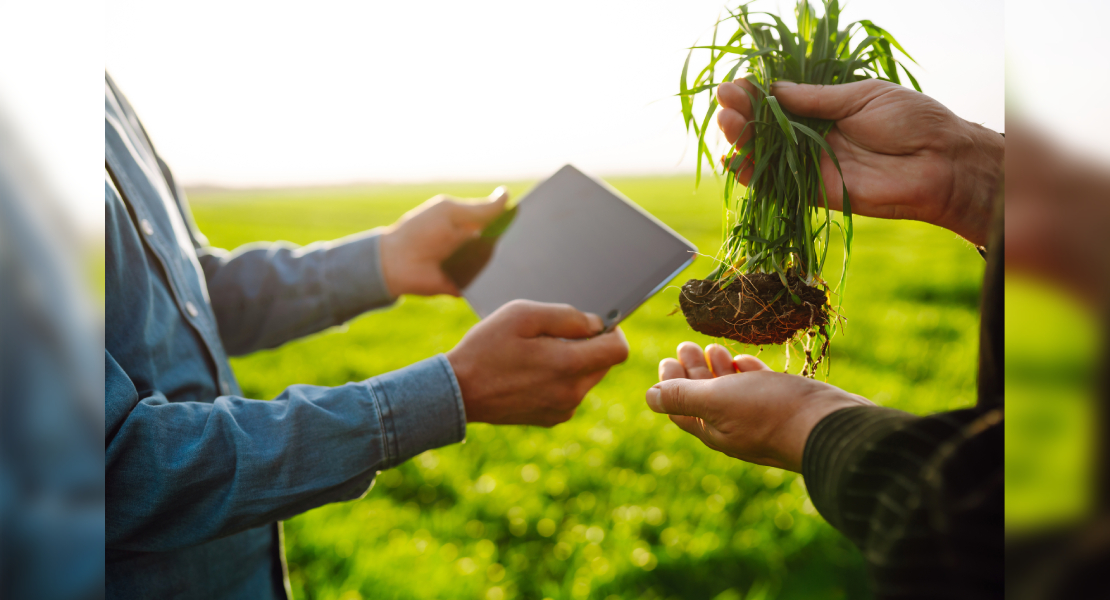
column 923, row 497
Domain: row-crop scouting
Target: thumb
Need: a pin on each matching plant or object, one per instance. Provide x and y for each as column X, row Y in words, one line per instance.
column 481, row 214
column 534, row 319
column 832, row 102
column 679, row 397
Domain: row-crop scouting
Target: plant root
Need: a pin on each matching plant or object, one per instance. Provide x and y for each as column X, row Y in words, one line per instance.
column 755, row 309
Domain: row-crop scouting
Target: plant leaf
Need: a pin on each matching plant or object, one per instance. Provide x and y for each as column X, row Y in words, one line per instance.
column 781, row 116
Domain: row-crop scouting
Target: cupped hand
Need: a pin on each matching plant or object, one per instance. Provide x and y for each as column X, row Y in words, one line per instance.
column 904, row 155
column 740, row 407
column 531, row 363
column 413, row 248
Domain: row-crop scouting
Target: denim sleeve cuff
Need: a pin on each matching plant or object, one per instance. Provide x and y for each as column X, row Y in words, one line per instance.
column 353, row 271
column 421, row 408
column 836, row 446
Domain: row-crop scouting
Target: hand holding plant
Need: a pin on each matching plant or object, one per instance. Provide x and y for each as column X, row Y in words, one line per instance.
column 903, row 154
column 767, row 285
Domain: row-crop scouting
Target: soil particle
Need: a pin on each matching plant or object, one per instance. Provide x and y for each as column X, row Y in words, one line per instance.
column 744, row 311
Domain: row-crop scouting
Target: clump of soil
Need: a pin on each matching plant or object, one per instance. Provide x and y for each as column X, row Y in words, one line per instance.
column 753, row 309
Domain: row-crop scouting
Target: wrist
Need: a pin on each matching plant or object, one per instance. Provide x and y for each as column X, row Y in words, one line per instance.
column 978, row 161
column 387, row 255
column 463, row 376
column 801, row 425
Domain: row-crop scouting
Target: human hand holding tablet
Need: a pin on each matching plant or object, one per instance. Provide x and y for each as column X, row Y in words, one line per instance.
column 574, row 240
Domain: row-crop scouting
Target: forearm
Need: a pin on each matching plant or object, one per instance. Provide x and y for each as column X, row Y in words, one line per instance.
column 268, row 293
column 870, row 471
column 181, row 473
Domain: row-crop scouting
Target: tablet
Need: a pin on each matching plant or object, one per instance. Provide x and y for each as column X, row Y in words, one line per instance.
column 576, row 240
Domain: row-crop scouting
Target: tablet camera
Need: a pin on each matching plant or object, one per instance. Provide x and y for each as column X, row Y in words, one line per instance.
column 613, row 314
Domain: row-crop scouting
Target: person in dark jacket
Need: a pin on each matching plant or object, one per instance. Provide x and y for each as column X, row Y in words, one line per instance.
column 922, row 497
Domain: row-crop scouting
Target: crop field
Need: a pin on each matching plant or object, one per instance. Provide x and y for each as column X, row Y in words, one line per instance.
column 618, row 502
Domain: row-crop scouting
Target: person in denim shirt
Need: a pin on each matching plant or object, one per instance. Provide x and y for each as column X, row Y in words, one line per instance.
column 198, row 477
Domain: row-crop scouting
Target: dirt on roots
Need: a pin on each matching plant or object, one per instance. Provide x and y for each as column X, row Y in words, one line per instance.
column 751, row 310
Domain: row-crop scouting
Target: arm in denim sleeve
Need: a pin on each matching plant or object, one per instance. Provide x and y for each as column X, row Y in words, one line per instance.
column 178, row 474
column 265, row 294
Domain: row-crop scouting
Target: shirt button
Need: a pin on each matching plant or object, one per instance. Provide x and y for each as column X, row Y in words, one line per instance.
column 225, row 388
column 147, row 227
column 191, row 309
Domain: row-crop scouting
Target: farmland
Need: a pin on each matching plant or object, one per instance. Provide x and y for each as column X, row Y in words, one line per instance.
column 618, row 502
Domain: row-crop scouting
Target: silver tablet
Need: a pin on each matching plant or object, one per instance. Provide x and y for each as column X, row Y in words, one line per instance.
column 576, row 240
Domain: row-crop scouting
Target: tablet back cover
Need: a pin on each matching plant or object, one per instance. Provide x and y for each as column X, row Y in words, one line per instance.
column 578, row 241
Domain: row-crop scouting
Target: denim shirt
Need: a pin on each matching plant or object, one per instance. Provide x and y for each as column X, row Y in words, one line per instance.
column 198, row 477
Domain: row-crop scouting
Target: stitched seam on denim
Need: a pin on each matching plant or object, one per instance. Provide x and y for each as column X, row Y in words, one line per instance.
column 460, row 407
column 387, row 459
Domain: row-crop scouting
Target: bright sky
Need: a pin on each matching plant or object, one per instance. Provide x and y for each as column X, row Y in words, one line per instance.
column 1066, row 97
column 266, row 93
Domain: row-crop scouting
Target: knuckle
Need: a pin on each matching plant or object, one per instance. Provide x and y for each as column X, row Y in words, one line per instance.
column 518, row 310
column 572, row 362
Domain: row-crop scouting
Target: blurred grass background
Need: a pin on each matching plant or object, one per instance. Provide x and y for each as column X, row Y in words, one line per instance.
column 618, row 502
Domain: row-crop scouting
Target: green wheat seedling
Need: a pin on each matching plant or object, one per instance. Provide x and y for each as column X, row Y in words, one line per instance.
column 780, row 223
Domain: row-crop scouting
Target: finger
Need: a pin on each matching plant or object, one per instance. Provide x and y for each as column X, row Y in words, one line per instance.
column 833, row 102
column 693, row 359
column 735, row 127
column 719, row 360
column 744, row 170
column 480, row 214
column 534, row 319
column 587, row 383
column 679, row 397
column 731, row 94
column 601, row 352
column 746, row 363
column 670, row 368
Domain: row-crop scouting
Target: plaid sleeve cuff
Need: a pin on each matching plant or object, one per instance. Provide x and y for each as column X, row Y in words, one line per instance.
column 834, row 448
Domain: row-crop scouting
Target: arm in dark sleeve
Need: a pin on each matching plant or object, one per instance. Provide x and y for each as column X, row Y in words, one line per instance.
column 920, row 496
column 923, row 497
column 179, row 474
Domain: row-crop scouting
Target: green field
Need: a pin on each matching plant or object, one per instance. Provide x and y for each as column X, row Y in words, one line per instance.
column 618, row 502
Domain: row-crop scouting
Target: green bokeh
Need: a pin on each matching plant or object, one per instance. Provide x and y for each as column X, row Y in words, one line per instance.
column 1051, row 347
column 618, row 502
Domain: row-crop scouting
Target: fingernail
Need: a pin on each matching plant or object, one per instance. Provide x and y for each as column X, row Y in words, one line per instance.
column 653, row 394
column 498, row 192
column 596, row 324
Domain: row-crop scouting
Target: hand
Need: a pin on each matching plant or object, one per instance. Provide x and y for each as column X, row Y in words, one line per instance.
column 413, row 248
column 904, row 155
column 741, row 407
column 531, row 363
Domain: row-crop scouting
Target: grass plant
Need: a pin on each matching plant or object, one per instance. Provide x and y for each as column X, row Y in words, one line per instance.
column 780, row 222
